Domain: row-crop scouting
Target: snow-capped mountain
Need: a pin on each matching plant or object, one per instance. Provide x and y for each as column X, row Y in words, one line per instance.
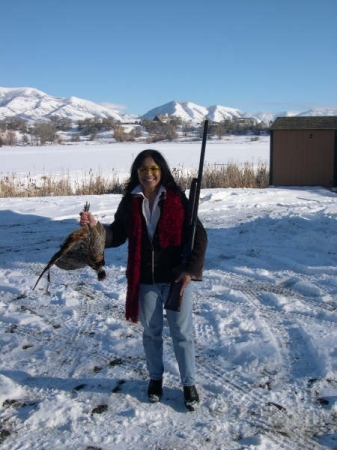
column 31, row 105
column 319, row 112
column 190, row 112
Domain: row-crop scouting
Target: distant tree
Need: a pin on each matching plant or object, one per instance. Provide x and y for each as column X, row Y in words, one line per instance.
column 61, row 123
column 45, row 132
column 186, row 128
column 151, row 126
column 75, row 138
column 137, row 131
column 25, row 139
column 121, row 135
column 89, row 126
column 220, row 130
column 11, row 138
column 107, row 123
column 16, row 125
column 170, row 132
column 93, row 135
column 161, row 130
column 59, row 139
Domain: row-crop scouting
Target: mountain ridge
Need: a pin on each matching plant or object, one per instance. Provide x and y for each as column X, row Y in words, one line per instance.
column 32, row 105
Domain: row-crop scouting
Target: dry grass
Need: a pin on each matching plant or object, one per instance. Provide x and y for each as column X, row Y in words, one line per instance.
column 227, row 176
column 214, row 176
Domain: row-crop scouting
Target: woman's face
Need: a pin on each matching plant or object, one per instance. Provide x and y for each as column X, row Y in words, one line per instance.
column 149, row 175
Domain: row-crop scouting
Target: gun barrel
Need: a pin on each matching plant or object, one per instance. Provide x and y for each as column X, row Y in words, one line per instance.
column 174, row 299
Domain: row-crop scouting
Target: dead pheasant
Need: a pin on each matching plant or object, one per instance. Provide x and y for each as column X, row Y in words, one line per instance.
column 83, row 247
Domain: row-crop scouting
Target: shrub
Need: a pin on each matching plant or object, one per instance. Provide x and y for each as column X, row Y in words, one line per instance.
column 226, row 176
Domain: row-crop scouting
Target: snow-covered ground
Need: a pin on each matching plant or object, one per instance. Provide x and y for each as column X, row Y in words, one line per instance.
column 72, row 370
column 78, row 160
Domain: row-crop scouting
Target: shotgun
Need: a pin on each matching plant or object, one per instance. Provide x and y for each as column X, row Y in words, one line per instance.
column 174, row 299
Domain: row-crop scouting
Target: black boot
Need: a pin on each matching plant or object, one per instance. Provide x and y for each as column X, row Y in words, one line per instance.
column 191, row 397
column 155, row 390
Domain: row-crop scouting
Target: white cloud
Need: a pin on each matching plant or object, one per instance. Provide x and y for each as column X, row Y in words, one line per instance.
column 114, row 106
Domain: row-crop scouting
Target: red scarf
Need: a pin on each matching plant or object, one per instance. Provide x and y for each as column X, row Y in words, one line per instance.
column 170, row 230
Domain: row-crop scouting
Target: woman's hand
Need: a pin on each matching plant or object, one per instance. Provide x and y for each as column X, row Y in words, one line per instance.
column 184, row 278
column 86, row 218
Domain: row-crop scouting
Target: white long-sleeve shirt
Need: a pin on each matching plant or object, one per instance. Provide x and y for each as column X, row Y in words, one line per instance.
column 151, row 217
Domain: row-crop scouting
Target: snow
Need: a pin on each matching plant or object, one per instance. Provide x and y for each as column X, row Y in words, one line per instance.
column 103, row 158
column 72, row 370
column 32, row 105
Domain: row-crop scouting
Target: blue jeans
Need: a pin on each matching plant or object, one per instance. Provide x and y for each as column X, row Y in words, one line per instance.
column 151, row 304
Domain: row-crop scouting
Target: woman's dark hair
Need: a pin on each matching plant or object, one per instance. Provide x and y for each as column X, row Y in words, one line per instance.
column 167, row 179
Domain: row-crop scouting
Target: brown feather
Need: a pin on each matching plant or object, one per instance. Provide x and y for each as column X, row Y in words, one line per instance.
column 83, row 247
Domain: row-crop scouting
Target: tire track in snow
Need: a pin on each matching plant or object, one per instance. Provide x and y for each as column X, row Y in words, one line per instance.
column 238, row 402
column 295, row 359
column 251, row 412
column 74, row 341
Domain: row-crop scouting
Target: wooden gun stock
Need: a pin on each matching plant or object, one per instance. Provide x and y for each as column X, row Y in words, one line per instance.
column 174, row 299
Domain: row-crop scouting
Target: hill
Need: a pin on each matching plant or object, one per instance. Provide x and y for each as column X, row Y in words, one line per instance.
column 33, row 105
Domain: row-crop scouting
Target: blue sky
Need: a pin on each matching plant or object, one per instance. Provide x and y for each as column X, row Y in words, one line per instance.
column 262, row 55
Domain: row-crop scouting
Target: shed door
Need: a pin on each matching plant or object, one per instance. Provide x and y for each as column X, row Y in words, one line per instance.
column 303, row 157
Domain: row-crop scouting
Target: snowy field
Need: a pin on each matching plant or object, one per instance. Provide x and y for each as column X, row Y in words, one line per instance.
column 72, row 370
column 78, row 160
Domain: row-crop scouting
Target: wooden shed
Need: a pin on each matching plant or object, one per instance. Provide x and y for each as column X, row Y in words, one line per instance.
column 303, row 151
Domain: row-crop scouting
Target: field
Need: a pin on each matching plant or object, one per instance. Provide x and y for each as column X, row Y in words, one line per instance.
column 72, row 369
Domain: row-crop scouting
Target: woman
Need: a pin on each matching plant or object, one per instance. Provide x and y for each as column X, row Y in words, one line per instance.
column 152, row 216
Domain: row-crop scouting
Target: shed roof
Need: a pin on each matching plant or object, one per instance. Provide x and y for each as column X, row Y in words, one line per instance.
column 305, row 123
